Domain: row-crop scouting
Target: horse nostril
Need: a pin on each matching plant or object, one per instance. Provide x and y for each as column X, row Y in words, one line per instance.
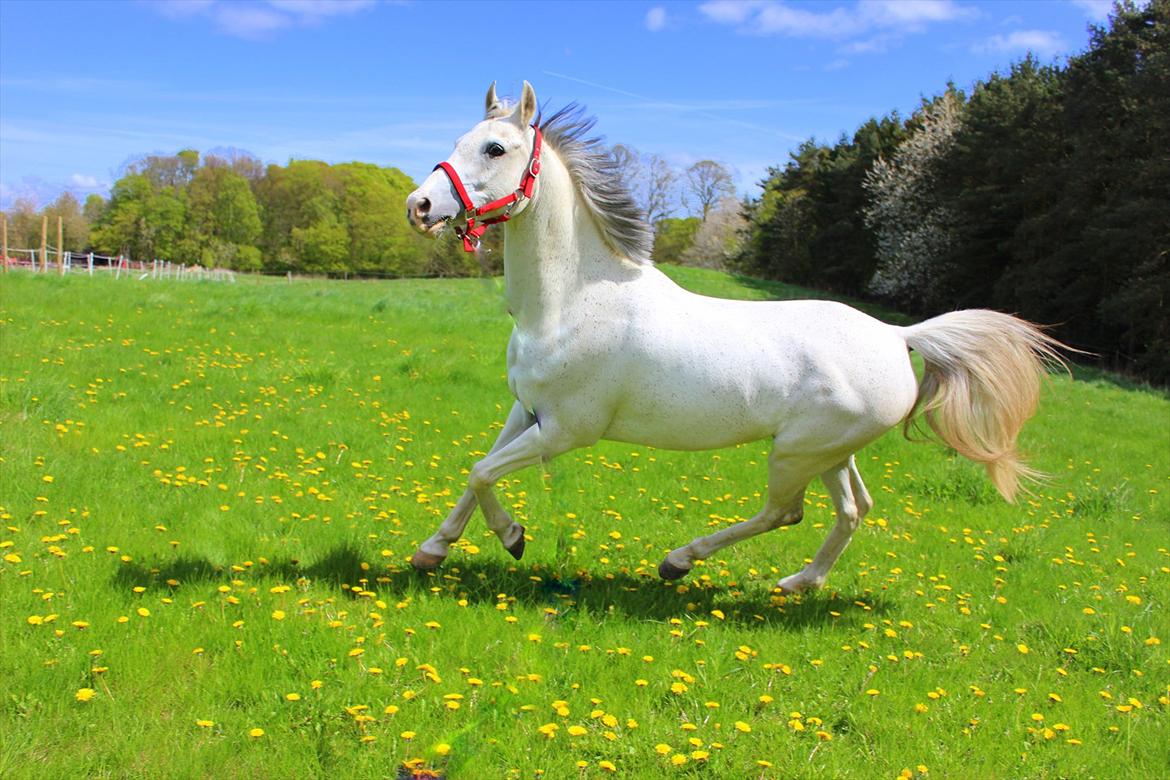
column 423, row 207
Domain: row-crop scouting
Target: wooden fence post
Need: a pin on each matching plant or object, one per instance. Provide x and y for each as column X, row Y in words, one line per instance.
column 45, row 243
column 4, row 238
column 91, row 263
column 60, row 247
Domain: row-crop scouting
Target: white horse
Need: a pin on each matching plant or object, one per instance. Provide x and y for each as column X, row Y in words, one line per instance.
column 605, row 346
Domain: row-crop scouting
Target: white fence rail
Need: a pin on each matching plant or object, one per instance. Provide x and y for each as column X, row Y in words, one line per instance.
column 52, row 260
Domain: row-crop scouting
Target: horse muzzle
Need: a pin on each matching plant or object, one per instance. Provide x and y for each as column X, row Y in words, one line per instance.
column 418, row 214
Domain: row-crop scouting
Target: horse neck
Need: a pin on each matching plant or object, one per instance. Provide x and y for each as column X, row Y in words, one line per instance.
column 552, row 251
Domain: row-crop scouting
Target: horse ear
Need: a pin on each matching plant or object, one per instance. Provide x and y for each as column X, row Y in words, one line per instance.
column 492, row 107
column 527, row 108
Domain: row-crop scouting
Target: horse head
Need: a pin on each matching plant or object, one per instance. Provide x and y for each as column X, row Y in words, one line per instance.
column 487, row 163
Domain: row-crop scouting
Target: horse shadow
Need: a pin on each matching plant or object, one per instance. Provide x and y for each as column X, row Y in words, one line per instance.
column 596, row 591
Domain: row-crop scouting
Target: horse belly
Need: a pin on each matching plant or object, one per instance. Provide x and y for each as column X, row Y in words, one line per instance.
column 696, row 412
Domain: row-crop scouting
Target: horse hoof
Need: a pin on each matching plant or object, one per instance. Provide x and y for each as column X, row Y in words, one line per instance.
column 669, row 572
column 798, row 584
column 517, row 548
column 422, row 561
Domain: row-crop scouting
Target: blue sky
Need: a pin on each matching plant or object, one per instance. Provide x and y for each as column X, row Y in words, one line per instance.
column 85, row 86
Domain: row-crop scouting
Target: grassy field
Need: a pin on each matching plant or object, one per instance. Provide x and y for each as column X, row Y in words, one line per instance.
column 209, row 493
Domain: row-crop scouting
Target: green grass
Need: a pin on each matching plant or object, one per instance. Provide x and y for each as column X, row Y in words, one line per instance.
column 209, row 493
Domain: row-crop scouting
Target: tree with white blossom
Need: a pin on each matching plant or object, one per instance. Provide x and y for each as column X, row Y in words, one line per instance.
column 915, row 228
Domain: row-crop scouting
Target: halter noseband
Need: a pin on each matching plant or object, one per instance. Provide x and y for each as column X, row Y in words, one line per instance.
column 471, row 232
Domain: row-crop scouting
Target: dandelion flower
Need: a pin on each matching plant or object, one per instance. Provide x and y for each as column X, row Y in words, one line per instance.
column 256, row 733
column 85, row 694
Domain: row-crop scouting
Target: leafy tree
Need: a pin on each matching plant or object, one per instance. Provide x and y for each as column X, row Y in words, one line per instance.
column 94, row 208
column 24, row 231
column 1095, row 259
column 673, row 238
column 141, row 221
column 719, row 238
column 808, row 226
column 75, row 227
column 224, row 218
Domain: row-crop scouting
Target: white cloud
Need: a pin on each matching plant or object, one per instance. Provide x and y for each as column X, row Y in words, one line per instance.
column 880, row 21
column 85, row 181
column 730, row 11
column 656, row 18
column 1097, row 10
column 252, row 19
column 1040, row 42
column 248, row 21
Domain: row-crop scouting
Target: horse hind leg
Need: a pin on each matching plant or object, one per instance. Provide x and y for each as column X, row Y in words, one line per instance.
column 852, row 502
column 787, row 480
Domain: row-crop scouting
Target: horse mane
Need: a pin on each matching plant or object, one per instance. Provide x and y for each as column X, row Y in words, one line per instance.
column 599, row 181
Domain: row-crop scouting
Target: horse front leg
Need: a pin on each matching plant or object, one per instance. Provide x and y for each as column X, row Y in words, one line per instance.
column 434, row 550
column 534, row 445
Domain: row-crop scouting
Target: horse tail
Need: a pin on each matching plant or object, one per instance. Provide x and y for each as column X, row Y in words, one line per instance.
column 981, row 384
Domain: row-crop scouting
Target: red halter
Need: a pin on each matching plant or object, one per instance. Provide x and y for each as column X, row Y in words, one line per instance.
column 471, row 232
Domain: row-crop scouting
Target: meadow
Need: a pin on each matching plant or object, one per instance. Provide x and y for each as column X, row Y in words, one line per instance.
column 209, row 493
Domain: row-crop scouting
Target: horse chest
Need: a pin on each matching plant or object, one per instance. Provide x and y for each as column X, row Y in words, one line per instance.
column 544, row 366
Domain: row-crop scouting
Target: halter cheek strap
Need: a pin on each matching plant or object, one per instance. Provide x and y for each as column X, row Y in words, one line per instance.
column 472, row 232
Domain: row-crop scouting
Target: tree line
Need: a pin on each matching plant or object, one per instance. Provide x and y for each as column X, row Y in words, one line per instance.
column 228, row 210
column 1045, row 191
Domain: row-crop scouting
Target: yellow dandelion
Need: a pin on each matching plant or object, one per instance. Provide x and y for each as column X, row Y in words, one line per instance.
column 205, row 724
column 678, row 759
column 292, row 696
column 742, row 727
column 85, row 694
column 256, row 733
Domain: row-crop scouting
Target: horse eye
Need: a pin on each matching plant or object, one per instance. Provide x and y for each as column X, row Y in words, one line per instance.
column 495, row 150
